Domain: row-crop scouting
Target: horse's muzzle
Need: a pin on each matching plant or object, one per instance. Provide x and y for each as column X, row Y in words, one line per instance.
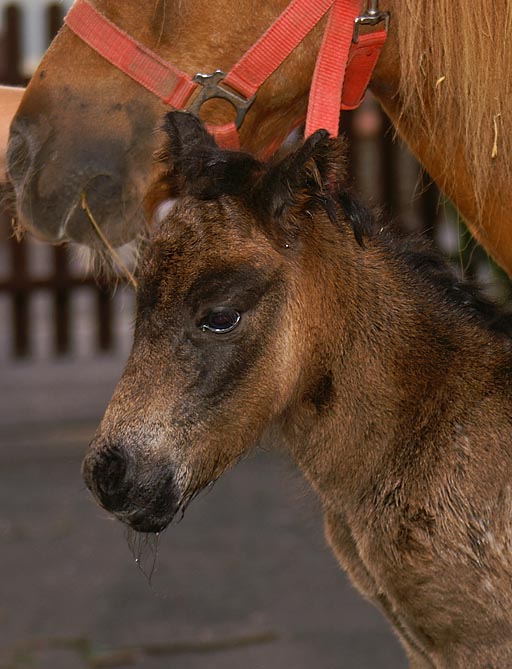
column 53, row 184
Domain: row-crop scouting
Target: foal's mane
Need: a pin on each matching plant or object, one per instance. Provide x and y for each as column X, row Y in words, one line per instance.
column 464, row 297
column 456, row 60
column 418, row 255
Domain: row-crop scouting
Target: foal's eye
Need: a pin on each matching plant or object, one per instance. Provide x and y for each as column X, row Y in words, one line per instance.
column 220, row 320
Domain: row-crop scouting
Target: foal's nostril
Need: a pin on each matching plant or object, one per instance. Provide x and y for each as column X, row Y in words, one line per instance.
column 143, row 496
column 105, row 473
column 111, row 474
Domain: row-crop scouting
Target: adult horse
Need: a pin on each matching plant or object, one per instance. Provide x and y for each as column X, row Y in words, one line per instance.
column 85, row 127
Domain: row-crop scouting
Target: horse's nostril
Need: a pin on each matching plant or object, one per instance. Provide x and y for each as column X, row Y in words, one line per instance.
column 105, row 473
column 102, row 189
column 142, row 494
column 19, row 158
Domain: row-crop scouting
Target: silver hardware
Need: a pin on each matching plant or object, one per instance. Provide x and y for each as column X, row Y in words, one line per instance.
column 371, row 17
column 211, row 88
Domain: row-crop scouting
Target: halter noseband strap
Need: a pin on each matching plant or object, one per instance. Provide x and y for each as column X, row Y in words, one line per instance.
column 342, row 70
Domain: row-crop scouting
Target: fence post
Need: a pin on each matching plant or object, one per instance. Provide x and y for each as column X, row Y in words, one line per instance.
column 20, row 298
column 12, row 49
column 104, row 311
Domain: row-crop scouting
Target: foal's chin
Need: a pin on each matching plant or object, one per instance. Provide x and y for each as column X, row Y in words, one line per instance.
column 144, row 522
column 150, row 518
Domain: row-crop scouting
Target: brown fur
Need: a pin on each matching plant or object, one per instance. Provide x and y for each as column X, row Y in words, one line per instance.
column 388, row 382
column 9, row 100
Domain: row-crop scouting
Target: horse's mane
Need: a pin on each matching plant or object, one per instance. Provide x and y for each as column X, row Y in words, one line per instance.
column 456, row 64
column 463, row 296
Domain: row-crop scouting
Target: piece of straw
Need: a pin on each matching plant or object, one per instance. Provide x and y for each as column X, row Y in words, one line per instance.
column 113, row 252
column 494, row 152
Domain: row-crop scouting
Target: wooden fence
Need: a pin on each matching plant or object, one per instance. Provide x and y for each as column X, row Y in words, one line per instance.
column 63, row 278
column 383, row 172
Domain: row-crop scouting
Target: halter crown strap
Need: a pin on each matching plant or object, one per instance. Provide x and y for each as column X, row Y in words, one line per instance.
column 277, row 43
column 329, row 76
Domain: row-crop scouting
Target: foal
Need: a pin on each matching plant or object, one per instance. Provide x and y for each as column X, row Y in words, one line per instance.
column 269, row 299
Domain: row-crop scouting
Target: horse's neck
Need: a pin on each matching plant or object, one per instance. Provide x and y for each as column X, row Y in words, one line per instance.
column 445, row 88
column 395, row 355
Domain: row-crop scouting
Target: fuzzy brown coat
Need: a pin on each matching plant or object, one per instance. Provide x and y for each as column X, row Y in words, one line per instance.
column 387, row 380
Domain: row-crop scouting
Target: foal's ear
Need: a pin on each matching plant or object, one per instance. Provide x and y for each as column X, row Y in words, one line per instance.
column 198, row 166
column 185, row 131
column 304, row 179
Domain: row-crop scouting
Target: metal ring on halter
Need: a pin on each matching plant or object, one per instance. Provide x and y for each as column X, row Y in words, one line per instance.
column 211, row 88
column 371, row 17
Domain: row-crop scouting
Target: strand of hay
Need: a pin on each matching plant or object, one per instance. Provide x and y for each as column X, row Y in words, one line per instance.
column 117, row 258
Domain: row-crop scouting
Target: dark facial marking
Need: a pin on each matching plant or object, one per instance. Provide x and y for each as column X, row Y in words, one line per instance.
column 239, row 287
column 222, row 361
column 322, row 395
column 214, row 364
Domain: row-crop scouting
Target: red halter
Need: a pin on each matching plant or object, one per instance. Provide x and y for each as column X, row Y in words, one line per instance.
column 343, row 68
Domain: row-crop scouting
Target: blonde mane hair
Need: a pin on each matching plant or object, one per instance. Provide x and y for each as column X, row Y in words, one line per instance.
column 456, row 74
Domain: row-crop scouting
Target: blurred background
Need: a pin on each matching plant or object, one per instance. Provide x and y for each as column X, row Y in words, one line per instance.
column 246, row 578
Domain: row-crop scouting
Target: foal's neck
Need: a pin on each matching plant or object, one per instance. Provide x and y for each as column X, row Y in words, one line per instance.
column 395, row 359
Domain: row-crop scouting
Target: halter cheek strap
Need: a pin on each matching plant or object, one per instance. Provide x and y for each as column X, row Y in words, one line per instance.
column 342, row 72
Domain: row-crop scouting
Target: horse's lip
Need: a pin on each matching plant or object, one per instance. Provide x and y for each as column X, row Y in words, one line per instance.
column 42, row 236
column 74, row 225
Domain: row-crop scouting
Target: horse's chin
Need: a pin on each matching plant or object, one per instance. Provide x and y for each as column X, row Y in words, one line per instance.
column 25, row 226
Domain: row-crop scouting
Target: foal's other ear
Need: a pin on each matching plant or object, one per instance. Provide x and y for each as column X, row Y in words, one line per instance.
column 303, row 180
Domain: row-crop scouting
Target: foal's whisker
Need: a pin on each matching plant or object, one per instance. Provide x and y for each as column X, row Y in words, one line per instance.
column 196, row 487
column 141, row 545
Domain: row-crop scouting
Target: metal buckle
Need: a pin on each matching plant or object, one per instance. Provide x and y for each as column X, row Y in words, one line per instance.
column 211, row 88
column 371, row 17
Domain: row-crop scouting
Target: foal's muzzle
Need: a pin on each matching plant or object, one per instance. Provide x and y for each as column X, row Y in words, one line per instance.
column 145, row 498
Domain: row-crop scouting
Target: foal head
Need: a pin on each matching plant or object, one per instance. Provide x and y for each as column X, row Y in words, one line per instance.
column 231, row 302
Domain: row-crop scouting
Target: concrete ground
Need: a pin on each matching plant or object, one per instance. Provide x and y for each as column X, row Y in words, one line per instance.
column 245, row 581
